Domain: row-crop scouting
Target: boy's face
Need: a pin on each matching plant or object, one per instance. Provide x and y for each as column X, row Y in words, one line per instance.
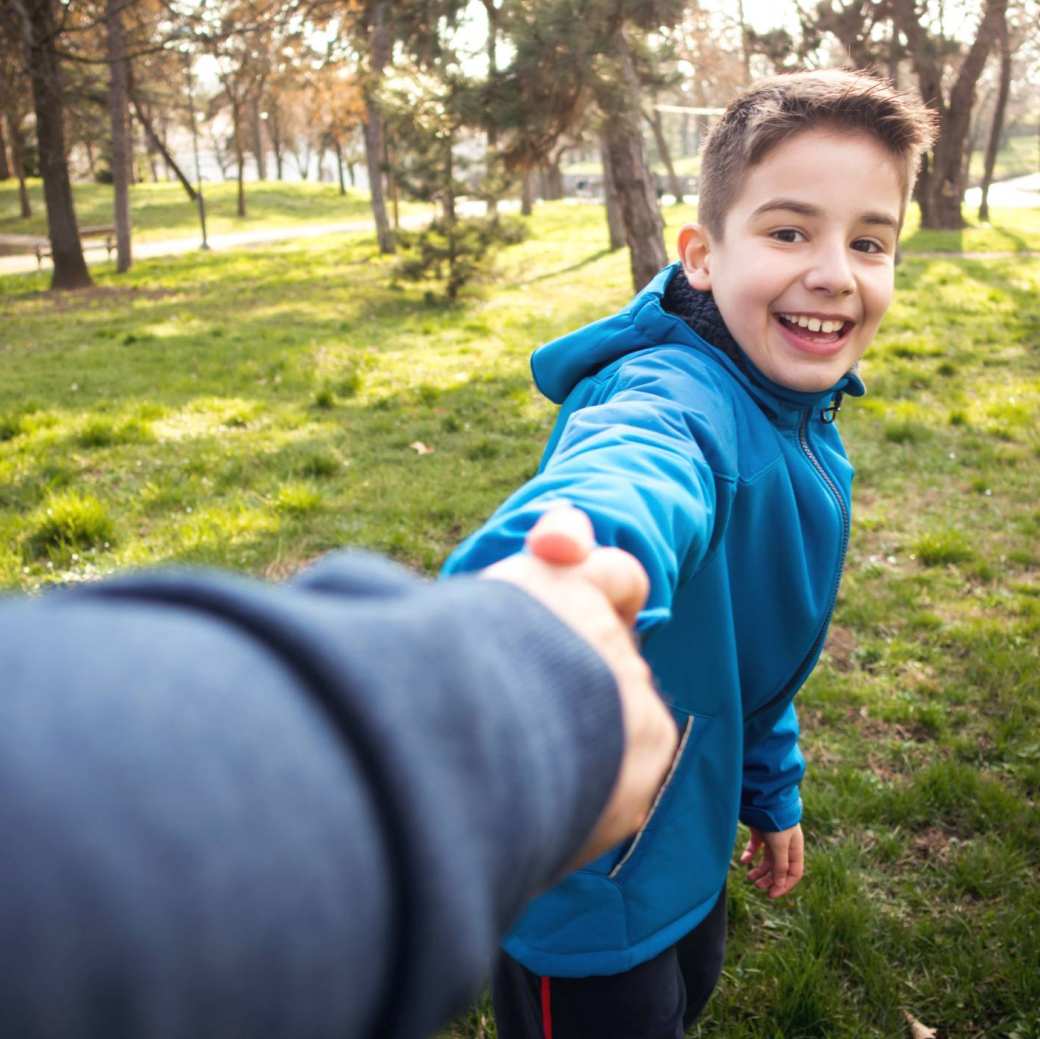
column 809, row 241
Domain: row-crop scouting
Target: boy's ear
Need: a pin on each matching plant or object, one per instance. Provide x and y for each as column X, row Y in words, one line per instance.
column 695, row 254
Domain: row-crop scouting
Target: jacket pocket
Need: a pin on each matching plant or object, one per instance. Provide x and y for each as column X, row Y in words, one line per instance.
column 662, row 797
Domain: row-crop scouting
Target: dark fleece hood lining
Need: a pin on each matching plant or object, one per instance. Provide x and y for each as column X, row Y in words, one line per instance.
column 699, row 310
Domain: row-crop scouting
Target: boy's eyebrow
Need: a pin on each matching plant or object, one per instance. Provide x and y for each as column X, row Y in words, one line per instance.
column 793, row 205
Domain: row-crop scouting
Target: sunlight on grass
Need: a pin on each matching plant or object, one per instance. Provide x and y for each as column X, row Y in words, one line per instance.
column 252, row 410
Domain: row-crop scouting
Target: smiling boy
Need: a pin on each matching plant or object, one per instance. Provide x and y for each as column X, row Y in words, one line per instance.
column 697, row 431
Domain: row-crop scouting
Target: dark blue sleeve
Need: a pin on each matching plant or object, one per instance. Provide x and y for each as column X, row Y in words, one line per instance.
column 236, row 809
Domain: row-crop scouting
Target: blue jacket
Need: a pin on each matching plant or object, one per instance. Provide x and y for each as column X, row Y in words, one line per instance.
column 734, row 493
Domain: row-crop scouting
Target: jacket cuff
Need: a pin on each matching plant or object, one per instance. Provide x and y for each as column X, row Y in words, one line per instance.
column 782, row 817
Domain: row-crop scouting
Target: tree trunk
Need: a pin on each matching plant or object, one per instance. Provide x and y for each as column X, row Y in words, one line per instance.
column 527, row 193
column 644, row 227
column 274, row 131
column 120, row 116
column 171, row 163
column 666, row 155
column 380, row 46
column 940, row 188
column 615, row 218
column 70, row 269
column 240, row 153
column 18, row 163
column 5, row 170
column 551, row 176
column 997, row 126
column 492, row 133
column 338, row 148
column 256, row 125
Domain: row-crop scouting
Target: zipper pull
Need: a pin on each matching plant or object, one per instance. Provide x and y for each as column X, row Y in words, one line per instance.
column 830, row 413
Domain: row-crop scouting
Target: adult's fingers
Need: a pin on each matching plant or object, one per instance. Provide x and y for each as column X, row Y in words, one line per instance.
column 562, row 536
column 621, row 578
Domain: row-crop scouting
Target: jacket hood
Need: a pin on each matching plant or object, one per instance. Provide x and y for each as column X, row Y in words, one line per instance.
column 561, row 364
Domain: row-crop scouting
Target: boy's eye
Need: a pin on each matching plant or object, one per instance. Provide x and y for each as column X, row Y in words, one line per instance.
column 787, row 234
column 867, row 245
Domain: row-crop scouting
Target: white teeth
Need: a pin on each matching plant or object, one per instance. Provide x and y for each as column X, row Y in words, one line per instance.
column 813, row 324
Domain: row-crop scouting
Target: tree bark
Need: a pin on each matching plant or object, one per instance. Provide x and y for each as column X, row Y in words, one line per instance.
column 380, row 47
column 5, row 169
column 997, row 126
column 644, row 227
column 666, row 155
column 240, row 153
column 70, row 269
column 256, row 125
column 18, row 164
column 338, row 149
column 120, row 116
column 171, row 163
column 940, row 188
column 527, row 193
column 615, row 218
column 492, row 132
column 274, row 131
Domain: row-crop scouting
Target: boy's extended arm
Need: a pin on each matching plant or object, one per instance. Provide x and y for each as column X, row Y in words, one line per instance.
column 642, row 466
column 773, row 769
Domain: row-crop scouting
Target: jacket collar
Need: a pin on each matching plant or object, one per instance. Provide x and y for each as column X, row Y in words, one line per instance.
column 701, row 325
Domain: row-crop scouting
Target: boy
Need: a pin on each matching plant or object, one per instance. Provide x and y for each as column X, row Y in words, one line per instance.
column 696, row 430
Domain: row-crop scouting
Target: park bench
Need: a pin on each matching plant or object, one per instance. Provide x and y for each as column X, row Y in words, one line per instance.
column 42, row 246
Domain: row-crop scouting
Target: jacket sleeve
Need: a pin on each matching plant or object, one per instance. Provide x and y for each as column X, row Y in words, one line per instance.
column 773, row 769
column 642, row 465
column 307, row 810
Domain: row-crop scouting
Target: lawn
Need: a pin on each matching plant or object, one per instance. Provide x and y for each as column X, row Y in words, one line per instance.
column 163, row 210
column 254, row 409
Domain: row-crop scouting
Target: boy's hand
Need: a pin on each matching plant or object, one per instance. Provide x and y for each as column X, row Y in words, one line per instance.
column 782, row 863
column 598, row 592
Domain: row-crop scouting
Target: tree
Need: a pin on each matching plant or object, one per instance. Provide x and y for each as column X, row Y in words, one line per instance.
column 15, row 105
column 5, row 169
column 119, row 111
column 37, row 22
column 557, row 73
column 940, row 187
column 999, row 111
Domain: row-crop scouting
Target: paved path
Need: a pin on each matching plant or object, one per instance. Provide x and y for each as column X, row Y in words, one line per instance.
column 240, row 239
column 1020, row 192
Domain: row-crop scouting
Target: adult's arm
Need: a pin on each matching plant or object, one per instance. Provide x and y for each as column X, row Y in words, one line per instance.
column 240, row 810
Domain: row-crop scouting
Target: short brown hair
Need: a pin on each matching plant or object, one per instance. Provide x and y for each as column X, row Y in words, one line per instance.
column 772, row 110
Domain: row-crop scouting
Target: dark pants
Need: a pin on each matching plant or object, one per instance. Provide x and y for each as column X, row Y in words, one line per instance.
column 659, row 999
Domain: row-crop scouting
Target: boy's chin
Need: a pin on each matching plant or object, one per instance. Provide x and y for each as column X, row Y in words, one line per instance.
column 809, row 379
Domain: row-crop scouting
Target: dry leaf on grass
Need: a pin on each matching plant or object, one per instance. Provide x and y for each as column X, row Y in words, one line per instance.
column 918, row 1030
column 420, row 448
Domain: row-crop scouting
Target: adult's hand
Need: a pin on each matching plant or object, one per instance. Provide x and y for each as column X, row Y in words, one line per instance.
column 598, row 592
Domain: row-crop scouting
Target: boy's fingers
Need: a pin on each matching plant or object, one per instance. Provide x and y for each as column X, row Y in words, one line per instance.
column 562, row 536
column 620, row 578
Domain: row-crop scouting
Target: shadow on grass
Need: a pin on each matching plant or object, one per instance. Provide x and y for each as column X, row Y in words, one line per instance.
column 591, row 258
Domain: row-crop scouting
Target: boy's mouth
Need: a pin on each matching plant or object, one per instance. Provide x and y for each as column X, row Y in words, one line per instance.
column 815, row 333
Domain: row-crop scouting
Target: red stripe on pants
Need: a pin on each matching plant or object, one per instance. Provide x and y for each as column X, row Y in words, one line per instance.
column 546, row 1010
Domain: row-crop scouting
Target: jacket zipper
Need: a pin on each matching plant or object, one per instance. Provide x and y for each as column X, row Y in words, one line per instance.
column 803, row 442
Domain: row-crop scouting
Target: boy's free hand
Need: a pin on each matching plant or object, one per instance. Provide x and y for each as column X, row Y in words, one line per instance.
column 598, row 592
column 782, row 863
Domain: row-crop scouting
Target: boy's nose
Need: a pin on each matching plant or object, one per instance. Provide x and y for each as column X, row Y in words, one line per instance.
column 831, row 272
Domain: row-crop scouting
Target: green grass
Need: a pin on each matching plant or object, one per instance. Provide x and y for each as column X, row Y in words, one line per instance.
column 163, row 210
column 252, row 410
column 1008, row 231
